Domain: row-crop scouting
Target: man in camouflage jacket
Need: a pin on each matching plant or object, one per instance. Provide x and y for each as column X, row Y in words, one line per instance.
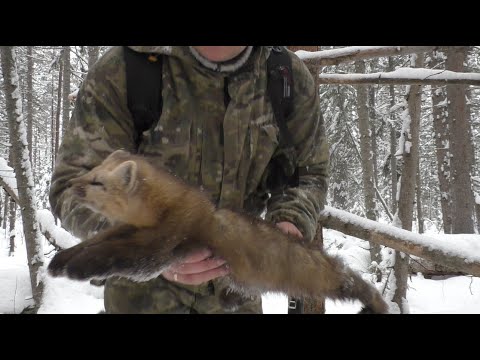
column 222, row 146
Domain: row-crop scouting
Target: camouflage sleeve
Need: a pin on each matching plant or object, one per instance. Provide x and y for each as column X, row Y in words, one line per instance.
column 301, row 205
column 100, row 124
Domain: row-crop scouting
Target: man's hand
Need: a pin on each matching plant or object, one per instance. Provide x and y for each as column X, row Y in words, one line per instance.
column 289, row 228
column 197, row 268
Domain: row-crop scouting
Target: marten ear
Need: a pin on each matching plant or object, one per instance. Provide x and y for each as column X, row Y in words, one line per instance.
column 126, row 172
column 118, row 154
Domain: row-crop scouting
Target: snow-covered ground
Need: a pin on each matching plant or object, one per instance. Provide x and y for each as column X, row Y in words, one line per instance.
column 459, row 294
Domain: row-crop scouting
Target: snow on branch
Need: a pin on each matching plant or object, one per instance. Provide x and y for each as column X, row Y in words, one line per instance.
column 8, row 180
column 57, row 236
column 460, row 251
column 414, row 76
column 354, row 53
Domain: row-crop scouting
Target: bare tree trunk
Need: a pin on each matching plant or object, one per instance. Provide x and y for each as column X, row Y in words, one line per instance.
column 375, row 249
column 23, row 170
column 373, row 131
column 5, row 211
column 410, row 146
column 52, row 125
column 66, row 88
column 1, row 203
column 365, row 146
column 393, row 144
column 442, row 144
column 420, row 221
column 93, row 52
column 477, row 212
column 30, row 99
column 35, row 152
column 11, row 228
column 461, row 187
column 366, row 152
column 59, row 106
column 474, row 169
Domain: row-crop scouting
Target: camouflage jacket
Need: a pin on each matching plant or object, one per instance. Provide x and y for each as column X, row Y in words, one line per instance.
column 223, row 148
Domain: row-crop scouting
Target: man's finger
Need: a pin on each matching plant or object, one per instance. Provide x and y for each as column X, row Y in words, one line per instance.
column 196, row 279
column 197, row 256
column 197, row 267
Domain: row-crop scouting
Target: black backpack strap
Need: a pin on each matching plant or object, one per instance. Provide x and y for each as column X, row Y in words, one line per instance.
column 280, row 89
column 284, row 169
column 144, row 89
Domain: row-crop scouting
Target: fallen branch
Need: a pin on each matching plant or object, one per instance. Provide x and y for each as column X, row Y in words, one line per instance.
column 461, row 252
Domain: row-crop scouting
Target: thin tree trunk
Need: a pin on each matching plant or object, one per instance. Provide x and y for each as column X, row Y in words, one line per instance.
column 59, row 106
column 373, row 131
column 420, row 222
column 23, row 170
column 477, row 212
column 366, row 152
column 66, row 88
column 5, row 211
column 11, row 228
column 1, row 204
column 30, row 99
column 52, row 125
column 375, row 249
column 461, row 187
column 410, row 129
column 393, row 144
column 442, row 145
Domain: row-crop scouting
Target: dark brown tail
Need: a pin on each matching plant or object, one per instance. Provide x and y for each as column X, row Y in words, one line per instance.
column 263, row 258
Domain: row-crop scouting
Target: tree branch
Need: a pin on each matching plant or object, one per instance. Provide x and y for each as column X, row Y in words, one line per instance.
column 57, row 236
column 9, row 190
column 354, row 53
column 436, row 250
column 404, row 76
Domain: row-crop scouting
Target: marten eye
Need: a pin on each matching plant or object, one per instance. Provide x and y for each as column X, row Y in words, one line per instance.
column 96, row 183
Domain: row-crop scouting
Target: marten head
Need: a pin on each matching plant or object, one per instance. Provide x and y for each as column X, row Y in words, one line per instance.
column 107, row 188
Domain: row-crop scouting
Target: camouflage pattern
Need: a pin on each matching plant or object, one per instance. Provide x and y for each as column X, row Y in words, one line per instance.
column 223, row 149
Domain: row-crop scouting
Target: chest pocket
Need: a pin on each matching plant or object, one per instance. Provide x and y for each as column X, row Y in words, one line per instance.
column 169, row 142
column 263, row 143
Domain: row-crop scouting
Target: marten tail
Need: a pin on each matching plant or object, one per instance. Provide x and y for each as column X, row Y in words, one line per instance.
column 265, row 259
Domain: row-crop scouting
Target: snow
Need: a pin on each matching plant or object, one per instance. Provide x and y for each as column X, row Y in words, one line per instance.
column 47, row 224
column 460, row 294
column 7, row 175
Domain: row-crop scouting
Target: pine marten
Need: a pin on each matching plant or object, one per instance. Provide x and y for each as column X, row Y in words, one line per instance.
column 158, row 219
